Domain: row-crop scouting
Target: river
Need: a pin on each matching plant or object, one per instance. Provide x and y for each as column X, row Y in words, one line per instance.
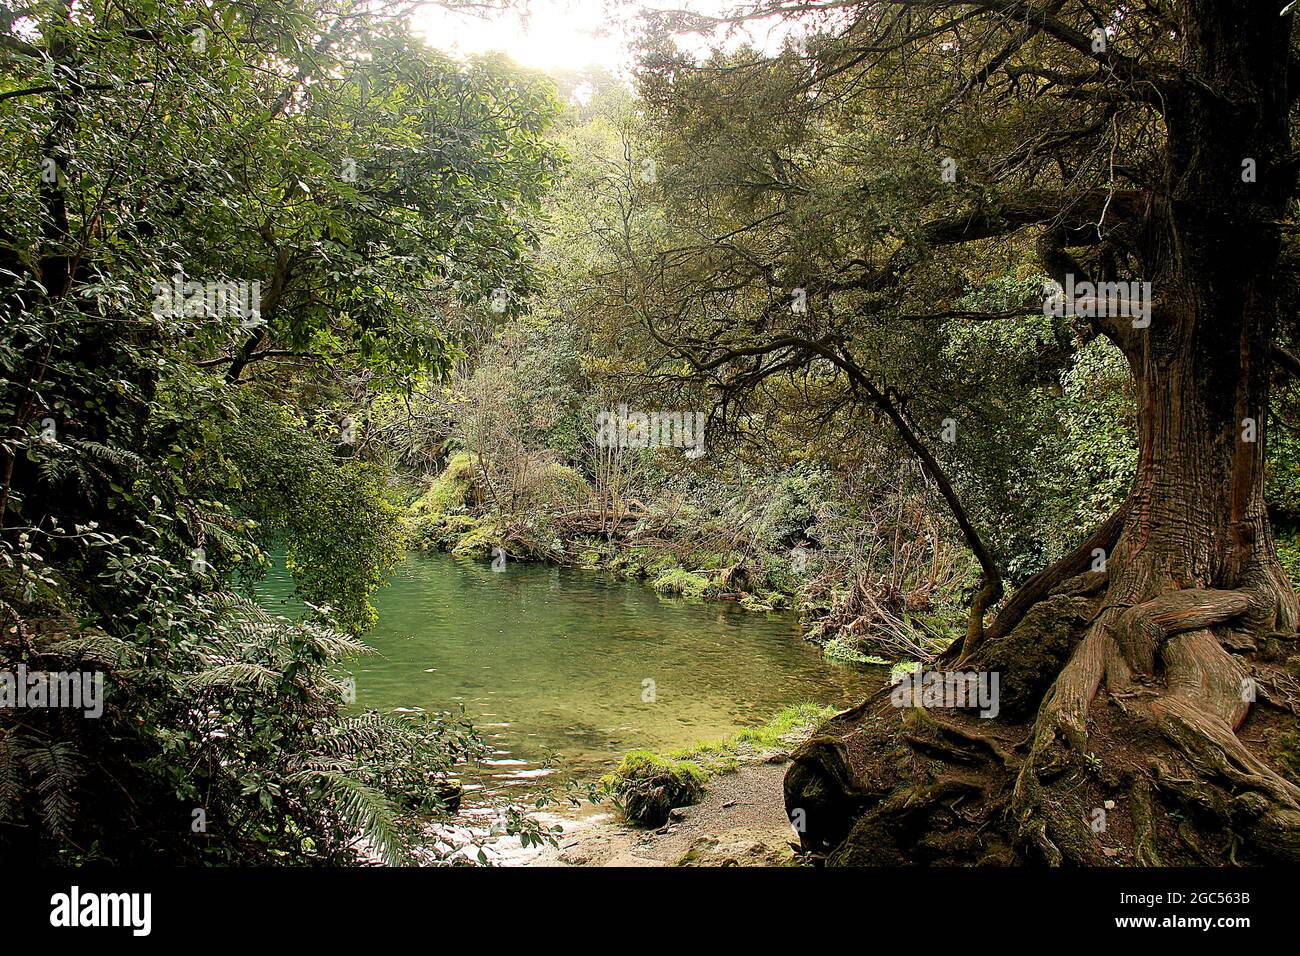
column 562, row 670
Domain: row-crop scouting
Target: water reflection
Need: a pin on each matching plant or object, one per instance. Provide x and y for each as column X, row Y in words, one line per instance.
column 563, row 670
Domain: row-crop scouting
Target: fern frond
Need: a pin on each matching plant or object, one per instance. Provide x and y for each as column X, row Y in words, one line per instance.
column 362, row 808
column 97, row 648
column 11, row 783
column 55, row 766
column 118, row 457
column 233, row 676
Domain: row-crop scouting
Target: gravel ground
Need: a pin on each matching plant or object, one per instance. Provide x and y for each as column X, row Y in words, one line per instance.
column 740, row 822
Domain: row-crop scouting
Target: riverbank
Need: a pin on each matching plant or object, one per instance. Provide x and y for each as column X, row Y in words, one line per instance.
column 855, row 613
column 738, row 820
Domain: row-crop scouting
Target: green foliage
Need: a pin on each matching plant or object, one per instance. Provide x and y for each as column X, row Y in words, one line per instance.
column 1097, row 458
column 845, row 651
column 224, row 738
column 901, row 668
column 153, row 449
column 337, row 520
column 793, row 721
column 528, row 379
column 682, row 582
column 1287, row 541
column 1282, row 477
column 554, row 486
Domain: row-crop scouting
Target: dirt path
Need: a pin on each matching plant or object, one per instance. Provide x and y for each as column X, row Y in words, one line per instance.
column 740, row 822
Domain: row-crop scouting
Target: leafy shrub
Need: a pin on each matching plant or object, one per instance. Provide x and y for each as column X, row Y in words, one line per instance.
column 555, row 486
column 225, row 735
column 338, row 520
column 1287, row 541
column 1282, row 475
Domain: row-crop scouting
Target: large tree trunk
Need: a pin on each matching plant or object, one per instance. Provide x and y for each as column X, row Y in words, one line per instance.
column 1125, row 690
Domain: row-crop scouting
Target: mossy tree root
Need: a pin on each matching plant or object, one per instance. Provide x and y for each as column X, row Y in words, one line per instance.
column 1131, row 756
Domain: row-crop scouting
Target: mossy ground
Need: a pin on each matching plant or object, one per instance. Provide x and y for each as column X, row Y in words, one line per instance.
column 1286, row 751
column 789, row 726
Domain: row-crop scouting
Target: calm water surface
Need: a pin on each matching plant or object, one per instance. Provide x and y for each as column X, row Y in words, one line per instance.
column 554, row 664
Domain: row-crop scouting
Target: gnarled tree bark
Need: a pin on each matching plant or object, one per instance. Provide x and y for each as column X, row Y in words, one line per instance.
column 1125, row 689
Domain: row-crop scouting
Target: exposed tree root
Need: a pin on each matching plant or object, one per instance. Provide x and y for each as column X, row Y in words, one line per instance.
column 1122, row 739
column 1049, row 581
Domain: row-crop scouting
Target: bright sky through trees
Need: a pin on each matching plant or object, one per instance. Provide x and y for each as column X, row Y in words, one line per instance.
column 555, row 33
column 565, row 33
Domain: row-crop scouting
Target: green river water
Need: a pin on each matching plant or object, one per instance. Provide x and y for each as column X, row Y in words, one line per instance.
column 552, row 664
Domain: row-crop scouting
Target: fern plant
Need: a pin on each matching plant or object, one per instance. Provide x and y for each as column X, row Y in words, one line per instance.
column 225, row 735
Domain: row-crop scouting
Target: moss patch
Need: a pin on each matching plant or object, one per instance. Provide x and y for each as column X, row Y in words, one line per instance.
column 1286, row 751
column 439, row 517
column 478, row 540
column 451, row 490
column 788, row 727
column 681, row 581
column 847, row 651
column 647, row 785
